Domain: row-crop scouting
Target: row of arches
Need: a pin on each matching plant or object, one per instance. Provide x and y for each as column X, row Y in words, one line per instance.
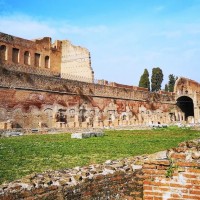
column 27, row 57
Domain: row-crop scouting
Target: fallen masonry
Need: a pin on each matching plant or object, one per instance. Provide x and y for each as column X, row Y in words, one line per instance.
column 86, row 135
column 170, row 174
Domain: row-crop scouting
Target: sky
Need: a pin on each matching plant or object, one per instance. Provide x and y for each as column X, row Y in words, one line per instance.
column 123, row 36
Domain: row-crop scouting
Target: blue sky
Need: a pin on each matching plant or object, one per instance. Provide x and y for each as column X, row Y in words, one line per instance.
column 123, row 36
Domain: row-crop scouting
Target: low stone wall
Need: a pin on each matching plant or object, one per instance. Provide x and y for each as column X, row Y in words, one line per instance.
column 120, row 179
column 177, row 177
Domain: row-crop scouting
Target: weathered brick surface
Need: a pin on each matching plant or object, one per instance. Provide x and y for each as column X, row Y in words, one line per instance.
column 97, row 182
column 179, row 179
column 38, row 99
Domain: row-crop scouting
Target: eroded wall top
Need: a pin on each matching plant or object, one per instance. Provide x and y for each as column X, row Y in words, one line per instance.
column 42, row 53
column 186, row 86
column 76, row 62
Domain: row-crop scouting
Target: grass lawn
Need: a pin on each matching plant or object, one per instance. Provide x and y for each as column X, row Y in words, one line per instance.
column 24, row 155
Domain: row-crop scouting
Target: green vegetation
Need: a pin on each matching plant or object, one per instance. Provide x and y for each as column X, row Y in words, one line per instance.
column 156, row 79
column 24, row 155
column 144, row 80
column 166, row 88
column 171, row 82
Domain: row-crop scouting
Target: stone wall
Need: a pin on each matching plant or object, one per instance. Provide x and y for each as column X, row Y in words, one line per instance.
column 175, row 177
column 76, row 62
column 120, row 179
column 69, row 61
column 37, row 101
column 188, row 99
column 39, row 53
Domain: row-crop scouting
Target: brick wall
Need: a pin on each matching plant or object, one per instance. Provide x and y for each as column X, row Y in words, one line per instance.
column 38, row 82
column 120, row 179
column 176, row 177
column 38, row 98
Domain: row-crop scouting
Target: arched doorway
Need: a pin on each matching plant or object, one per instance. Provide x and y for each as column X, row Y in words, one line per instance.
column 186, row 105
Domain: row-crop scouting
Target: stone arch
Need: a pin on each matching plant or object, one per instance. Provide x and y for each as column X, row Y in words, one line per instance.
column 3, row 53
column 27, row 58
column 47, row 62
column 15, row 55
column 186, row 105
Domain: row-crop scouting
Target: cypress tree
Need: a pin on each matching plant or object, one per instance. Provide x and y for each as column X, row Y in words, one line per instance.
column 156, row 79
column 166, row 88
column 144, row 80
column 171, row 83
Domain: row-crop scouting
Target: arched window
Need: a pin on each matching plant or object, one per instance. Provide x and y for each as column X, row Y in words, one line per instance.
column 15, row 55
column 47, row 64
column 27, row 58
column 3, row 53
column 37, row 60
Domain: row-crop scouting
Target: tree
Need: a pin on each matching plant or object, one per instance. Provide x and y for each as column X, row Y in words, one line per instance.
column 166, row 88
column 171, row 83
column 144, row 80
column 156, row 79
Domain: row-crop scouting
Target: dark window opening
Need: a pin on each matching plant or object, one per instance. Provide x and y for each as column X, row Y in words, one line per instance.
column 15, row 55
column 47, row 64
column 26, row 58
column 37, row 60
column 3, row 55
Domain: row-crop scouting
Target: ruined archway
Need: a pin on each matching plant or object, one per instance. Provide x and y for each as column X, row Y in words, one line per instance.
column 186, row 105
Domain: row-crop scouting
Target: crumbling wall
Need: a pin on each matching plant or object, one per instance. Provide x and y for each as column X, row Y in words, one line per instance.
column 120, row 179
column 76, row 63
column 177, row 176
column 30, row 54
column 36, row 101
column 43, row 54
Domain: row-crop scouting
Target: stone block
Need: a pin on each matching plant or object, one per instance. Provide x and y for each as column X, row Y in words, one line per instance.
column 86, row 135
column 77, row 124
column 84, row 124
column 106, row 123
column 71, row 124
column 95, row 124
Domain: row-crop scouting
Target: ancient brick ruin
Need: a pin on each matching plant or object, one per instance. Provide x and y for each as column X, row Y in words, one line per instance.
column 40, row 88
column 41, row 56
column 177, row 176
column 172, row 174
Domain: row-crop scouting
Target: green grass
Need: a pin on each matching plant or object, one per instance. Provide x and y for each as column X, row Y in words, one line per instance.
column 24, row 155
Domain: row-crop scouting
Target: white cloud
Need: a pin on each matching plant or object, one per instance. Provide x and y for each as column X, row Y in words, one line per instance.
column 24, row 26
column 30, row 28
